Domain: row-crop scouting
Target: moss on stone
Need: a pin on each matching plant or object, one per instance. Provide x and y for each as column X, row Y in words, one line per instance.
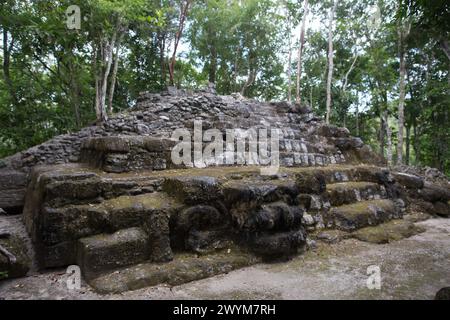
column 391, row 231
column 153, row 201
column 184, row 268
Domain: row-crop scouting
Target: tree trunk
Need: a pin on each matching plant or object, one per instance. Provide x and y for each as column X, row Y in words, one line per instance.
column 114, row 75
column 402, row 34
column 6, row 66
column 300, row 50
column 408, row 142
column 95, row 67
column 330, row 60
column 388, row 138
column 162, row 58
column 289, row 67
column 250, row 79
column 102, row 74
column 416, row 143
column 382, row 135
column 74, row 92
column 213, row 65
column 183, row 15
column 357, row 121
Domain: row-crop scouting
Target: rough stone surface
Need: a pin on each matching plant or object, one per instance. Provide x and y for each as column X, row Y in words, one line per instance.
column 181, row 270
column 105, row 252
column 363, row 214
column 145, row 129
column 123, row 202
column 388, row 232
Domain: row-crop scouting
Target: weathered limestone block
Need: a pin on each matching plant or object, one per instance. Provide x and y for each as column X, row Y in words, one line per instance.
column 442, row 209
column 332, row 131
column 194, row 228
column 158, row 229
column 55, row 229
column 58, row 255
column 182, row 269
column 347, row 143
column 408, row 180
column 274, row 216
column 363, row 214
column 311, row 202
column 12, row 189
column 350, row 192
column 311, row 182
column 245, row 198
column 208, row 241
column 434, row 193
column 388, row 232
column 70, row 191
column 106, row 252
column 193, row 189
column 276, row 245
column 127, row 153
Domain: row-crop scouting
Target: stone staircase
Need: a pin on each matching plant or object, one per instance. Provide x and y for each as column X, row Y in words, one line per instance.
column 195, row 222
column 131, row 218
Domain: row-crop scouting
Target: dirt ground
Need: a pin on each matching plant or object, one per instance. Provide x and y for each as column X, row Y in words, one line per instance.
column 414, row 268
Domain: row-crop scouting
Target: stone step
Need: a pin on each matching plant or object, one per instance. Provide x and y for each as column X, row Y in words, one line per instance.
column 182, row 269
column 363, row 214
column 65, row 225
column 342, row 173
column 105, row 252
column 350, row 192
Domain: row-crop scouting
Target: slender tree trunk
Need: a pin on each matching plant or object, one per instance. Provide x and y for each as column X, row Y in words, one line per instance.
column 213, row 65
column 183, row 15
column 357, row 121
column 95, row 55
column 162, row 58
column 402, row 34
column 416, row 145
column 289, row 66
column 250, row 79
column 7, row 47
column 300, row 50
column 408, row 144
column 102, row 74
column 74, row 91
column 388, row 138
column 236, row 69
column 112, row 85
column 330, row 60
column 382, row 134
column 109, row 59
column 345, row 82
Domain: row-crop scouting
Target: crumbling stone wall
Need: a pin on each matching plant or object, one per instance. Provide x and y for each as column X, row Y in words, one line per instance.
column 307, row 141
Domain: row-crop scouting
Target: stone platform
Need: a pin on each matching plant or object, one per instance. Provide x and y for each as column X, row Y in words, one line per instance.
column 116, row 205
column 108, row 222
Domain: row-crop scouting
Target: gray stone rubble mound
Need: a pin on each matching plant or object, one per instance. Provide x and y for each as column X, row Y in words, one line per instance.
column 110, row 200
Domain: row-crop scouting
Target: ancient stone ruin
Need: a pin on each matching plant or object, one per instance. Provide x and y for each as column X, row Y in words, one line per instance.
column 110, row 200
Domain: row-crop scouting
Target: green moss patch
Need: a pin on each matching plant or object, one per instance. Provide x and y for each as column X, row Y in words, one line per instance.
column 392, row 231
